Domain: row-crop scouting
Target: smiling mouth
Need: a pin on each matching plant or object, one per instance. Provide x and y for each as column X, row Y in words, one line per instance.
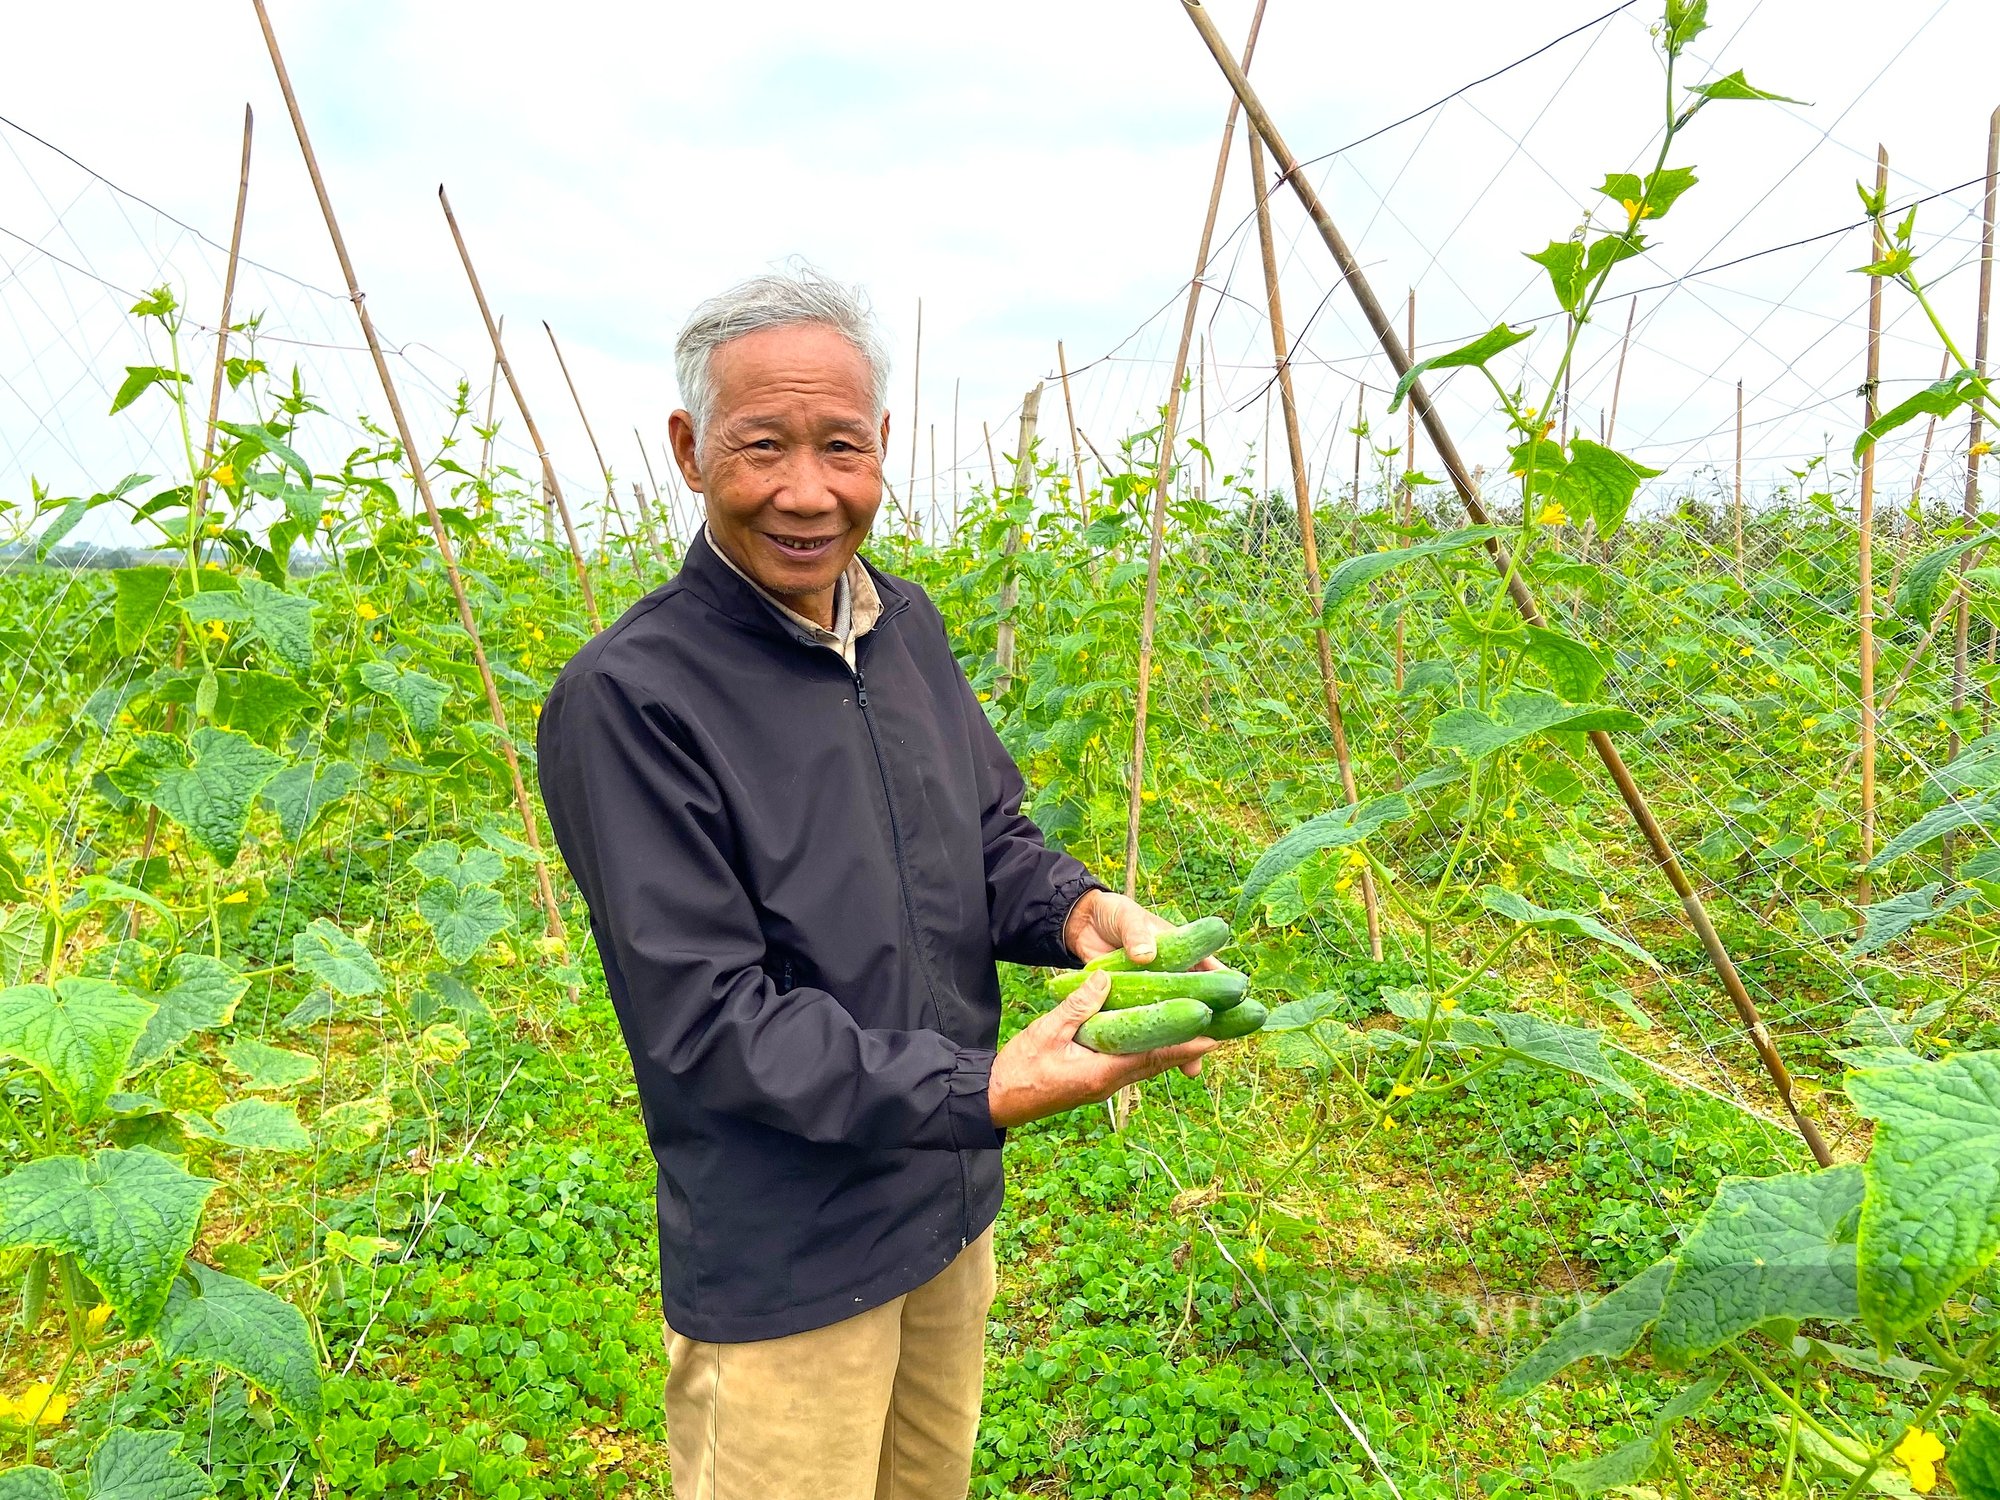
column 802, row 547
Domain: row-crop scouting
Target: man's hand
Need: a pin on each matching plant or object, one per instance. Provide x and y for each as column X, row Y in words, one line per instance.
column 1103, row 922
column 1044, row 1070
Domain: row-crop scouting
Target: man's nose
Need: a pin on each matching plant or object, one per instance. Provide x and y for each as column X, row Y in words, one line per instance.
column 806, row 487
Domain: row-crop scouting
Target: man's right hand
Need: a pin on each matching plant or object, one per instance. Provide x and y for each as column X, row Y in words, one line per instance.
column 1044, row 1070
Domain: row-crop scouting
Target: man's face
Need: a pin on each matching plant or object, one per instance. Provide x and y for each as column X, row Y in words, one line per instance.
column 790, row 467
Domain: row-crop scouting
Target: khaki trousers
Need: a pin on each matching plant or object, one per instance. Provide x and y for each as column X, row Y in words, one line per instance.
column 881, row 1406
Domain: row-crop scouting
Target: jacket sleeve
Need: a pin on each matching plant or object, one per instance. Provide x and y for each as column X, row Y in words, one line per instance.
column 1030, row 887
column 645, row 832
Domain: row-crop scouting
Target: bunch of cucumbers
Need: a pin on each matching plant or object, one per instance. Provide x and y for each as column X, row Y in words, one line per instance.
column 1162, row 1004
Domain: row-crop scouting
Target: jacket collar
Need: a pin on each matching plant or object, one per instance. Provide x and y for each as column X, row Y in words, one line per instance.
column 704, row 574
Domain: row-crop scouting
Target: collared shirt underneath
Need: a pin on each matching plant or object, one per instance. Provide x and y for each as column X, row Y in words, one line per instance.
column 856, row 605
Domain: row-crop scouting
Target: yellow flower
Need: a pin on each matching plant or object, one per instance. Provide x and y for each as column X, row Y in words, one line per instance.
column 1401, row 1091
column 41, row 1405
column 367, row 611
column 1345, row 883
column 96, row 1318
column 1149, row 796
column 1388, row 1122
column 1509, row 813
column 536, row 632
column 216, row 631
column 1259, row 1259
column 1919, row 1452
column 1745, row 651
column 1356, row 858
column 225, row 474
column 1552, row 514
column 1770, row 680
column 1673, row 661
column 236, row 898
column 1980, row 449
column 1635, row 210
column 1808, row 722
column 1447, row 1005
column 1819, row 841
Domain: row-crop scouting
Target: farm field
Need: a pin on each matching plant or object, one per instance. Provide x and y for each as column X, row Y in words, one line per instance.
column 322, row 1169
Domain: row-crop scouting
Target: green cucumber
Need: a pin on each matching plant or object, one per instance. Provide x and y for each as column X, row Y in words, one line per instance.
column 1237, row 1021
column 1144, row 1027
column 1177, row 951
column 1218, row 989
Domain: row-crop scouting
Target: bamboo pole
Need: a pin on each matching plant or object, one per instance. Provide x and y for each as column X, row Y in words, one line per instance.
column 1618, row 380
column 1517, row 589
column 1163, row 472
column 916, row 393
column 1201, row 365
column 1865, row 561
column 933, row 505
column 207, row 463
column 1961, row 669
column 1404, row 502
column 646, row 519
column 1308, row 541
column 953, row 534
column 1010, row 590
column 1736, row 501
column 492, row 401
column 610, row 489
column 552, row 486
column 1075, row 448
column 673, row 492
column 990, row 464
column 532, row 835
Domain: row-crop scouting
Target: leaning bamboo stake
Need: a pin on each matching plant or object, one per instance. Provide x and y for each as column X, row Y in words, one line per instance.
column 916, row 393
column 1618, row 380
column 1010, row 591
column 1736, row 499
column 207, row 463
column 531, row 834
column 552, row 486
column 953, row 533
column 1163, row 472
column 1517, row 589
column 1865, row 560
column 492, row 401
column 990, row 464
column 1308, row 541
column 610, row 488
column 1075, row 448
column 1961, row 669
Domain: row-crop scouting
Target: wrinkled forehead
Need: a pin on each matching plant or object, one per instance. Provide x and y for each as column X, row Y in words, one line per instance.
column 804, row 371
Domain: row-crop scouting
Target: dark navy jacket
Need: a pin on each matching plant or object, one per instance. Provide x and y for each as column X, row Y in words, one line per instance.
column 799, row 878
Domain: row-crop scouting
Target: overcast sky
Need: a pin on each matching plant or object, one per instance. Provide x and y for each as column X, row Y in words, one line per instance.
column 1032, row 173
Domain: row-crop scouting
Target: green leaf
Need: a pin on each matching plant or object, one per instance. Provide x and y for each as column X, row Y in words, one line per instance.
column 1355, row 573
column 1939, row 399
column 442, row 859
column 336, row 960
column 138, row 380
column 1661, row 189
column 283, row 621
column 224, row 1320
column 1916, row 598
column 1981, row 813
column 1333, row 830
column 1601, row 482
column 77, row 1033
column 1885, row 921
column 133, row 1465
column 1564, row 262
column 266, row 1067
column 254, row 701
column 1734, row 86
column 1518, row 908
column 1768, row 1247
column 349, row 1126
column 266, row 439
column 261, row 1125
column 23, row 931
column 202, row 994
column 1932, row 1215
column 1548, row 1044
column 1496, row 340
column 1974, row 1465
column 31, row 1482
column 1686, row 20
column 1476, row 734
column 129, row 1218
column 211, row 798
column 1575, row 669
column 1297, row 1015
column 1638, row 1459
column 301, row 794
column 463, row 918
column 141, row 594
column 1837, row 1465
column 1610, row 1327
column 421, row 698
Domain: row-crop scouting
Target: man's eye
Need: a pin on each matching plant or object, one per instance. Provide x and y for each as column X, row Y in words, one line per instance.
column 766, row 445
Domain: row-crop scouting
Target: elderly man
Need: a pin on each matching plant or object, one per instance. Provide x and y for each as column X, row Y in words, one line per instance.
column 802, row 849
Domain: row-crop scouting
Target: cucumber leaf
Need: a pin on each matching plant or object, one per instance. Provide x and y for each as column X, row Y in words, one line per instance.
column 1610, row 1327
column 1355, row 573
column 1338, row 829
column 336, row 960
column 133, row 1465
column 1518, row 908
column 1636, row 1460
column 222, row 1320
column 77, row 1033
column 202, row 995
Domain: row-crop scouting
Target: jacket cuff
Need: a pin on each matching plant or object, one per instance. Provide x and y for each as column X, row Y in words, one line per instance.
column 966, row 1108
column 1061, row 903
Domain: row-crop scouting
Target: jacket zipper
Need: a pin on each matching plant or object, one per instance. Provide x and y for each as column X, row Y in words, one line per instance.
column 910, row 916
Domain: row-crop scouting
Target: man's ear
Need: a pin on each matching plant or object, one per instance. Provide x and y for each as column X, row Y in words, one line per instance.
column 680, row 432
column 885, row 437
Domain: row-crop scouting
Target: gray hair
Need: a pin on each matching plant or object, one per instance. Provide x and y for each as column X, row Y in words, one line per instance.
column 799, row 295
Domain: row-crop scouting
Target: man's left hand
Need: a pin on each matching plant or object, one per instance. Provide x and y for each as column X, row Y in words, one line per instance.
column 1104, row 921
